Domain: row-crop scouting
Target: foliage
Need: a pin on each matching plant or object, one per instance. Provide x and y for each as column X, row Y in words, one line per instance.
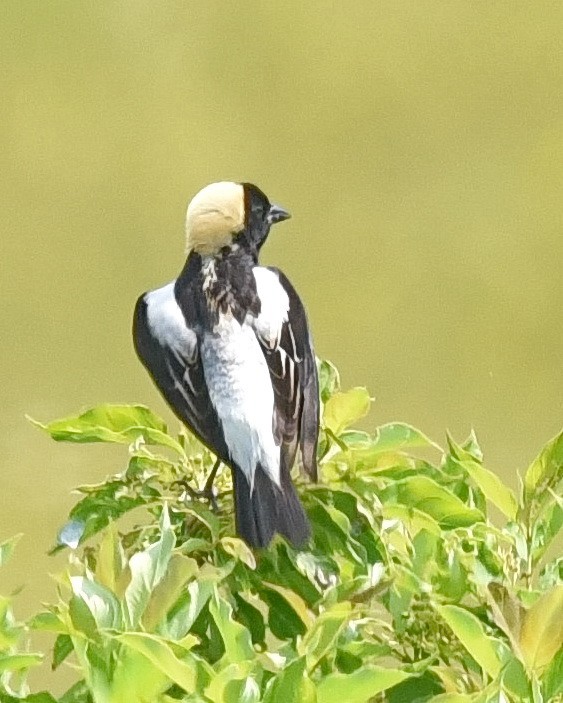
column 407, row 592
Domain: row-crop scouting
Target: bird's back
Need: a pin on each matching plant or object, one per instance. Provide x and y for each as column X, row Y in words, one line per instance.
column 240, row 389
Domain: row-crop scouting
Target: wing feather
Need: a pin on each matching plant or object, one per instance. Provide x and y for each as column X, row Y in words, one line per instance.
column 168, row 349
column 283, row 332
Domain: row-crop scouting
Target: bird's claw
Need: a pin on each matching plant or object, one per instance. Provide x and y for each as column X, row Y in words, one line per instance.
column 208, row 493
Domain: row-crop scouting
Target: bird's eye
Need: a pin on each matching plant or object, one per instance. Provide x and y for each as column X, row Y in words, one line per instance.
column 259, row 212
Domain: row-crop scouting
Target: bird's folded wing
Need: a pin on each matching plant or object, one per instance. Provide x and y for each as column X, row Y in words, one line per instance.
column 283, row 332
column 168, row 349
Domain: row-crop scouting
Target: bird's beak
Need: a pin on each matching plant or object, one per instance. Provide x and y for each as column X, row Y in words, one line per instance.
column 277, row 214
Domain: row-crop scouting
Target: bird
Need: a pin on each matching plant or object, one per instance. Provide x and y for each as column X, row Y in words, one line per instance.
column 229, row 347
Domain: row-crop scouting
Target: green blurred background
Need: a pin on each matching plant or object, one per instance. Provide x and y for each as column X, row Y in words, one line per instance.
column 418, row 144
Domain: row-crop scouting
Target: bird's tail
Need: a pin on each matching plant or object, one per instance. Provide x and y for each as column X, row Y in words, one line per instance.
column 268, row 510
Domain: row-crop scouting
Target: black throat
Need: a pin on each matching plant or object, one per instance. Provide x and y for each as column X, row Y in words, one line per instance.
column 222, row 284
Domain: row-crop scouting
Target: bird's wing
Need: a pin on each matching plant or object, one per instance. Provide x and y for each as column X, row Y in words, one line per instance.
column 169, row 350
column 283, row 332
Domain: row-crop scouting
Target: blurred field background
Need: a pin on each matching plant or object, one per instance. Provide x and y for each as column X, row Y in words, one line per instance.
column 419, row 146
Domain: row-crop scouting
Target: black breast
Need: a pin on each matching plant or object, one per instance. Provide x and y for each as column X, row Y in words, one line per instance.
column 223, row 284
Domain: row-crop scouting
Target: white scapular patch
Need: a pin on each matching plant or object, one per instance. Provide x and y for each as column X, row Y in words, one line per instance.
column 274, row 306
column 168, row 324
column 240, row 389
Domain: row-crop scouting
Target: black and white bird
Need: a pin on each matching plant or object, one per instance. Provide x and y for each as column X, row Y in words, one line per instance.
column 228, row 345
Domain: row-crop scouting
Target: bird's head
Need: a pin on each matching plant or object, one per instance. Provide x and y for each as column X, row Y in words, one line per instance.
column 224, row 214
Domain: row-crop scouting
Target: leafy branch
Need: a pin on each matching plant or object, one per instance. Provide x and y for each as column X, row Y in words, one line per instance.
column 407, row 591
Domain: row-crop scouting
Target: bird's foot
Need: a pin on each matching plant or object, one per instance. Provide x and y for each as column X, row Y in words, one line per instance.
column 208, row 493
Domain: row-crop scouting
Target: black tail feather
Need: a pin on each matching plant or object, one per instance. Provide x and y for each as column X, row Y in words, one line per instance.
column 268, row 510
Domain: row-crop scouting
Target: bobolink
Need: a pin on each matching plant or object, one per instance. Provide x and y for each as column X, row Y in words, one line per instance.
column 228, row 345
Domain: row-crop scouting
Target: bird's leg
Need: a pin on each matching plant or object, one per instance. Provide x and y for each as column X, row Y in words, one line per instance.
column 208, row 488
column 207, row 491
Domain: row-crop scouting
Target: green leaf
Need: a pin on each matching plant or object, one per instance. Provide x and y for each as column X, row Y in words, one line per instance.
column 417, row 689
column 299, row 571
column 424, row 494
column 242, row 691
column 62, row 648
column 48, row 622
column 493, row 488
column 546, row 469
column 19, row 662
column 250, row 616
column 102, row 504
column 116, row 418
column 358, row 687
column 552, row 679
column 7, row 548
column 10, row 631
column 364, row 454
column 424, row 547
column 111, row 561
column 133, row 677
column 194, row 600
column 392, row 438
column 342, row 409
column 82, row 618
column 470, row 632
column 542, row 630
column 515, row 680
column 398, row 436
column 352, row 438
column 546, row 529
column 472, row 447
column 291, row 685
column 329, row 379
column 78, row 693
column 182, row 670
column 236, row 638
column 283, row 621
column 101, row 602
column 289, row 608
column 238, row 549
column 112, row 423
column 148, row 568
column 232, row 684
column 321, row 638
column 201, row 514
column 42, row 697
column 413, row 519
column 180, row 570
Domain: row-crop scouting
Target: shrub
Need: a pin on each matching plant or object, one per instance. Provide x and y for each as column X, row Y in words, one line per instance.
column 408, row 591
